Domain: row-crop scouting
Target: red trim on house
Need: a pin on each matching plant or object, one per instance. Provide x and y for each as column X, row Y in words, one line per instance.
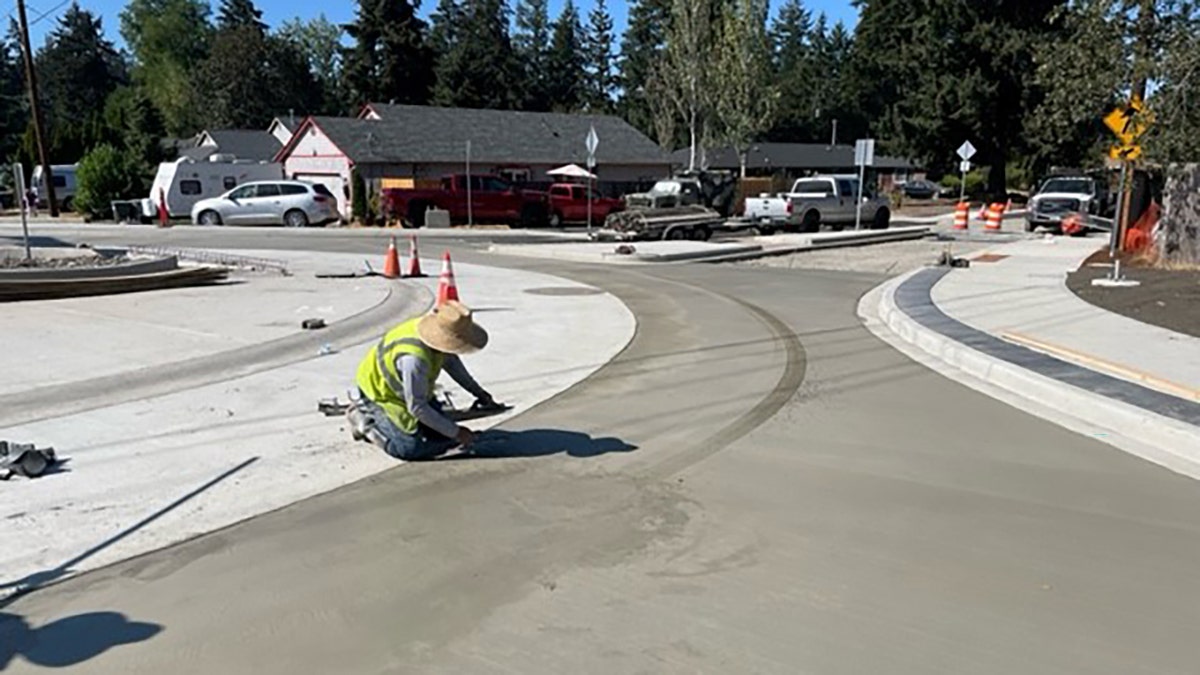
column 362, row 112
column 308, row 123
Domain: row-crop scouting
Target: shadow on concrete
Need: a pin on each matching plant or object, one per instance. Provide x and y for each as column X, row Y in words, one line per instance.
column 500, row 443
column 35, row 240
column 36, row 580
column 68, row 641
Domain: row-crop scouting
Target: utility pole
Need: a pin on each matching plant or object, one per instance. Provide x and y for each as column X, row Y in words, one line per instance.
column 1143, row 57
column 36, row 110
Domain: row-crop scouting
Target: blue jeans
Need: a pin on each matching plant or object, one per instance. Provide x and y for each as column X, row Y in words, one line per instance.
column 424, row 444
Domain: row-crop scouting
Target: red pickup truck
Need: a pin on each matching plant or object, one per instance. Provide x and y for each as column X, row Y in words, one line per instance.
column 569, row 204
column 493, row 201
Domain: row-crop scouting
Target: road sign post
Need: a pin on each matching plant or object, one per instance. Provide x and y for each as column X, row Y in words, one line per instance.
column 1128, row 123
column 966, row 151
column 19, row 184
column 592, row 142
column 864, row 156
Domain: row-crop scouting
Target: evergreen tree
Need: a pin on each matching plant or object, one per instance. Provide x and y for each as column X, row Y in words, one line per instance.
column 566, row 74
column 318, row 41
column 444, row 24
column 249, row 77
column 601, row 79
column 478, row 68
column 240, row 14
column 951, row 72
column 532, row 44
column 168, row 40
column 641, row 51
column 77, row 70
column 14, row 111
column 390, row 59
column 795, row 71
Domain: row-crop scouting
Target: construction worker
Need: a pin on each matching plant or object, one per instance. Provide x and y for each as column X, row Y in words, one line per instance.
column 397, row 410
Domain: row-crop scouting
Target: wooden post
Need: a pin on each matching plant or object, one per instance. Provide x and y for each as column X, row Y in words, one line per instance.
column 36, row 111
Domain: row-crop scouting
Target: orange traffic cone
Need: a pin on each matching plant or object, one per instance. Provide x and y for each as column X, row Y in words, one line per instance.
column 414, row 258
column 447, row 289
column 391, row 262
column 962, row 215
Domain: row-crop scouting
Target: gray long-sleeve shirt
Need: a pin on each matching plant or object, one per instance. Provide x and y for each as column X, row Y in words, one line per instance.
column 414, row 374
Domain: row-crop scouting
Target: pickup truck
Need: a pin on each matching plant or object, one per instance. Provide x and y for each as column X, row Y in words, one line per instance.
column 816, row 201
column 829, row 200
column 569, row 204
column 493, row 201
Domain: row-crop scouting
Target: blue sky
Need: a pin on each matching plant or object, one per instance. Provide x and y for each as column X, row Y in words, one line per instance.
column 278, row 11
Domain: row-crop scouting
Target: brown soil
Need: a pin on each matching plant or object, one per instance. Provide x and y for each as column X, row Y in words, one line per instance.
column 1167, row 298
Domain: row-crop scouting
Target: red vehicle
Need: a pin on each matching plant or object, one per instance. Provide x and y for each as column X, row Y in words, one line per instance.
column 569, row 204
column 493, row 201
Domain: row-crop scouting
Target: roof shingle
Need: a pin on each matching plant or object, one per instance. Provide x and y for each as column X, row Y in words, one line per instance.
column 816, row 156
column 426, row 134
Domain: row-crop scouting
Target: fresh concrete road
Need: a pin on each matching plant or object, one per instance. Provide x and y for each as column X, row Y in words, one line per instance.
column 757, row 484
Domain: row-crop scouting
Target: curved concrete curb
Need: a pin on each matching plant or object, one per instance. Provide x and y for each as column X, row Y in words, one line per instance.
column 1167, row 442
column 402, row 300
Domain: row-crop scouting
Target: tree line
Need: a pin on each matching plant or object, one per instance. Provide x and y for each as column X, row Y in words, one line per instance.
column 1027, row 81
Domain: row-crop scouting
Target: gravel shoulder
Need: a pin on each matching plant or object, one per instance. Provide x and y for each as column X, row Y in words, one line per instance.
column 1166, row 298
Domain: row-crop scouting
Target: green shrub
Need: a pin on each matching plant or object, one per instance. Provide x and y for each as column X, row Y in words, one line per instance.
column 103, row 176
column 976, row 182
column 358, row 198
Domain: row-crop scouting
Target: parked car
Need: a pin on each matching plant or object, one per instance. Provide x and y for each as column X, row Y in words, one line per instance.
column 830, row 200
column 292, row 203
column 65, row 185
column 569, row 204
column 920, row 189
column 768, row 212
column 492, row 200
column 1061, row 196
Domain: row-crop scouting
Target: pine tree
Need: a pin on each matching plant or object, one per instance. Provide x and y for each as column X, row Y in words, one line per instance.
column 795, row 71
column 391, row 59
column 14, row 114
column 532, row 44
column 240, row 14
column 565, row 62
column 601, row 79
column 641, row 51
column 478, row 68
column 77, row 70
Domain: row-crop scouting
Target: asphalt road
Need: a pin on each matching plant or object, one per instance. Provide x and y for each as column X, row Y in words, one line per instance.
column 757, row 484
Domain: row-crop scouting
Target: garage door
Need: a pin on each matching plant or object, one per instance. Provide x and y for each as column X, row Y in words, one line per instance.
column 332, row 182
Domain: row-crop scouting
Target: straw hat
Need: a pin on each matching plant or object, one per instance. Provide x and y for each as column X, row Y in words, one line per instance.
column 450, row 329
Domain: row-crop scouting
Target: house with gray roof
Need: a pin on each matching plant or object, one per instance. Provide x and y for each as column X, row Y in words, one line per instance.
column 410, row 146
column 247, row 144
column 794, row 160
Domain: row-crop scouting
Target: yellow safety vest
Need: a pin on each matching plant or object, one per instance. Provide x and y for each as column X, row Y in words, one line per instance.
column 379, row 380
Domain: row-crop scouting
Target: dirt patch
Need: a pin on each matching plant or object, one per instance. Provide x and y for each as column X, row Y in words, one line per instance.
column 1166, row 298
column 14, row 258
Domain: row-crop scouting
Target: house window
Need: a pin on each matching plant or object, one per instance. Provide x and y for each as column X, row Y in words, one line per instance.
column 515, row 175
column 189, row 187
column 229, row 182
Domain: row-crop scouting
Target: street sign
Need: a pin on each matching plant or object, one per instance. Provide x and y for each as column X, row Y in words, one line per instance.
column 966, row 151
column 593, row 141
column 1125, row 152
column 1127, row 122
column 964, row 166
column 864, row 152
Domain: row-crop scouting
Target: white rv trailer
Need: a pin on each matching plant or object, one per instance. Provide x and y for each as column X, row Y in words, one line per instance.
column 65, row 184
column 186, row 181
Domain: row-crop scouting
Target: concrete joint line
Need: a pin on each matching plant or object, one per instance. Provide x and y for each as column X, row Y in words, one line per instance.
column 1163, row 439
column 52, row 401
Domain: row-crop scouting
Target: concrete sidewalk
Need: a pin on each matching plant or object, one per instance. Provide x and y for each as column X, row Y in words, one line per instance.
column 147, row 473
column 1008, row 326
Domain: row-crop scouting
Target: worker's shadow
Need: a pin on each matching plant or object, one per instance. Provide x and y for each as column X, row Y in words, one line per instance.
column 68, row 641
column 499, row 443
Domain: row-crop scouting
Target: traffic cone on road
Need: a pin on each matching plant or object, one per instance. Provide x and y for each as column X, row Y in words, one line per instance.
column 962, row 215
column 447, row 289
column 414, row 258
column 391, row 262
column 994, row 216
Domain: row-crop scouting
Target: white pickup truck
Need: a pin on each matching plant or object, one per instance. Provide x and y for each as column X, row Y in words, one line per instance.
column 819, row 200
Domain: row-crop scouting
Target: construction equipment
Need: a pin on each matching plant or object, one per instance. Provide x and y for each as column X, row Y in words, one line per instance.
column 688, row 205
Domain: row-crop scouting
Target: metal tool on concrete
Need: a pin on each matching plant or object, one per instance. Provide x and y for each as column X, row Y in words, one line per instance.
column 24, row 459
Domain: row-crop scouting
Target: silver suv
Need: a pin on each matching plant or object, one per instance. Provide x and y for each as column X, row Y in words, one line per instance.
column 293, row 203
